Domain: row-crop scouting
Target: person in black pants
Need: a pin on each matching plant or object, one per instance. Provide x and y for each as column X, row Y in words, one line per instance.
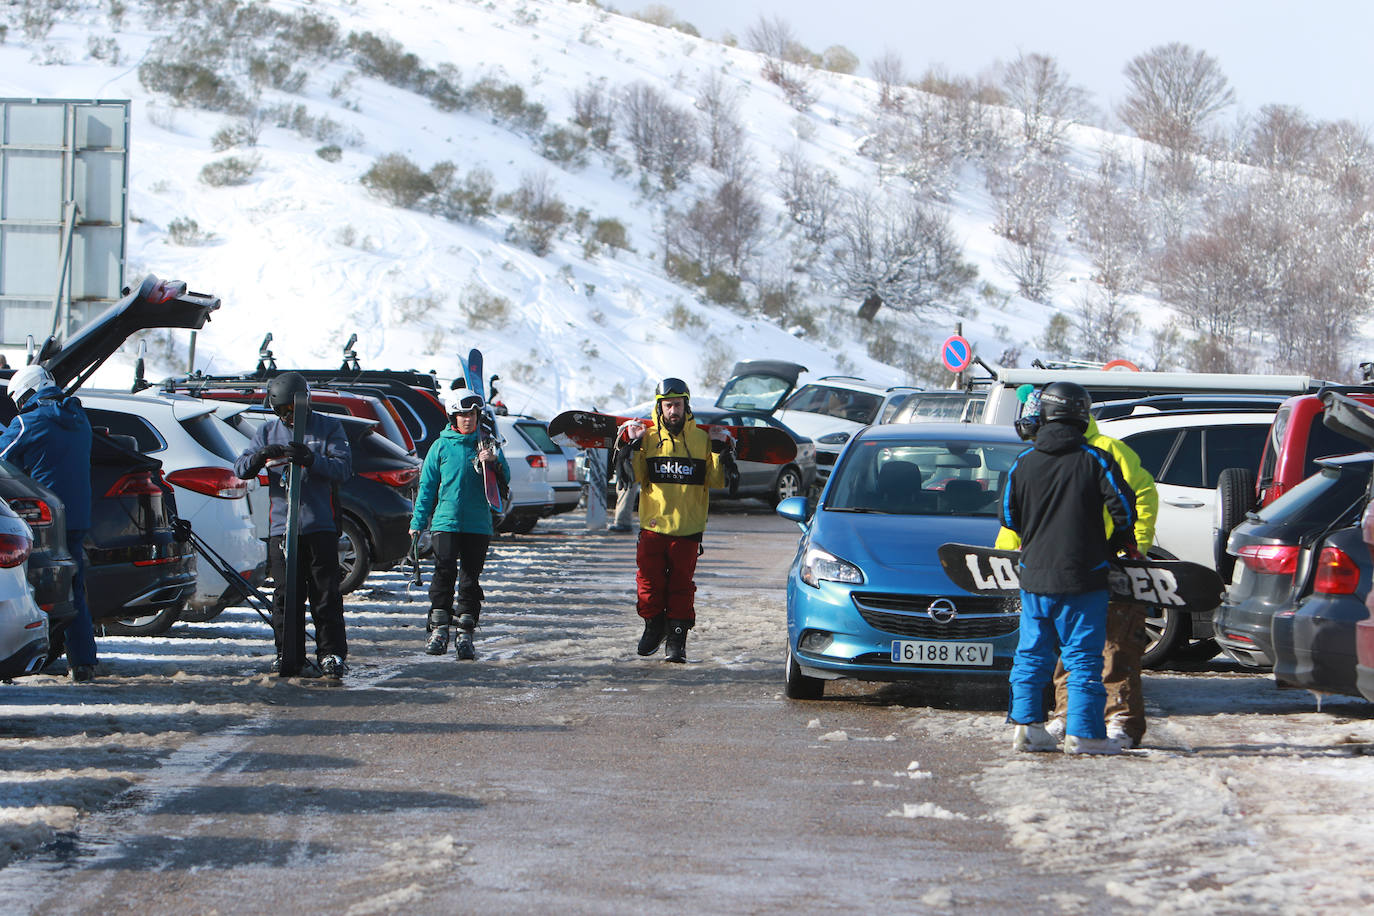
column 452, row 503
column 328, row 462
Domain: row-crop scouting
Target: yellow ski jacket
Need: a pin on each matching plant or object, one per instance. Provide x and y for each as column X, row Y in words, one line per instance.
column 1146, row 496
column 675, row 475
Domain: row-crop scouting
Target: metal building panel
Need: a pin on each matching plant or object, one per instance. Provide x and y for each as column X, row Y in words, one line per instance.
column 100, row 127
column 33, row 185
column 99, row 184
column 20, row 318
column 28, row 261
column 96, row 253
column 36, row 124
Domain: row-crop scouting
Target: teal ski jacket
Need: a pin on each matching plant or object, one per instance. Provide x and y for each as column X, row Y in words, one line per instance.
column 452, row 496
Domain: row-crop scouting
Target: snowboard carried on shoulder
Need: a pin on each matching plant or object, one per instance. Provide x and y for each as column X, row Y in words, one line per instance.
column 1153, row 583
column 588, row 429
column 486, row 429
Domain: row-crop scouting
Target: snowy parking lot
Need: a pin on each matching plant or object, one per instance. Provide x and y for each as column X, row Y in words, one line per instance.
column 1245, row 798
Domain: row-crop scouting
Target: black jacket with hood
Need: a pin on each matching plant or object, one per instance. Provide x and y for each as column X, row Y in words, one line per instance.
column 1053, row 499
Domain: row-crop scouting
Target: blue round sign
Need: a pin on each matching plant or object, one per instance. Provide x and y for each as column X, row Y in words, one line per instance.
column 957, row 353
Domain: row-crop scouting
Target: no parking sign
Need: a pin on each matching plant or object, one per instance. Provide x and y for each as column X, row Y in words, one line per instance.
column 957, row 353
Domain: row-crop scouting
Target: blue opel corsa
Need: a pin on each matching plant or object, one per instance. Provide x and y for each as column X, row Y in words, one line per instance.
column 866, row 595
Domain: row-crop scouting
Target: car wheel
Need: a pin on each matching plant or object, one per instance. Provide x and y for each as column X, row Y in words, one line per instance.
column 788, row 484
column 147, row 625
column 799, row 686
column 1168, row 630
column 1235, row 497
column 523, row 525
column 355, row 556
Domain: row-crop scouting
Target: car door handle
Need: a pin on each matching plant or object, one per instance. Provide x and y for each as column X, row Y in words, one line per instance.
column 1186, row 503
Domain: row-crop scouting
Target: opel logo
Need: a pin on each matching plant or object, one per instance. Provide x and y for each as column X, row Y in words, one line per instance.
column 942, row 610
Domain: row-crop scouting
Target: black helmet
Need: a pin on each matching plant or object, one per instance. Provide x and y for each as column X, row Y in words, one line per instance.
column 1065, row 401
column 282, row 390
column 671, row 388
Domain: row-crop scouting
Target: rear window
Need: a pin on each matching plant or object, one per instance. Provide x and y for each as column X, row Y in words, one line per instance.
column 1324, row 442
column 538, row 436
column 752, row 392
column 145, row 437
column 840, row 403
column 209, row 435
column 1323, row 498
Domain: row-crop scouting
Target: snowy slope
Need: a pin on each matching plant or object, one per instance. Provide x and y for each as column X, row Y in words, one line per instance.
column 305, row 252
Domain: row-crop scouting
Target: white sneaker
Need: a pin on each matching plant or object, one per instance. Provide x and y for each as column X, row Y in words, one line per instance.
column 1033, row 737
column 1117, row 733
column 1073, row 744
column 1056, row 728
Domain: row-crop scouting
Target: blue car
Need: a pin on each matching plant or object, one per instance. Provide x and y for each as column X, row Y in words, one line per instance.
column 866, row 596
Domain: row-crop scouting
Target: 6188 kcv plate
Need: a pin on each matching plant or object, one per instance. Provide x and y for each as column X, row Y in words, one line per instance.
column 912, row 652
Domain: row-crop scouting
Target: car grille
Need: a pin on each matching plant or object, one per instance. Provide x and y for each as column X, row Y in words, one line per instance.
column 905, row 615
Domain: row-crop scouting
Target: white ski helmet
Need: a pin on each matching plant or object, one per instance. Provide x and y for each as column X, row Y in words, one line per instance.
column 463, row 400
column 26, row 381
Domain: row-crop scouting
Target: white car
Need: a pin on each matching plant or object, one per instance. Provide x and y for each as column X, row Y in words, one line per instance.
column 833, row 408
column 531, row 495
column 197, row 449
column 23, row 624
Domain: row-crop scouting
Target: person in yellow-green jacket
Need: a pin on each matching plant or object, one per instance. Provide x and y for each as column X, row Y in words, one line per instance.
column 1126, row 636
column 676, row 463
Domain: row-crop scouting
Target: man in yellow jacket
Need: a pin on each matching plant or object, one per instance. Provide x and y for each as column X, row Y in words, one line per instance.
column 676, row 464
column 1126, row 636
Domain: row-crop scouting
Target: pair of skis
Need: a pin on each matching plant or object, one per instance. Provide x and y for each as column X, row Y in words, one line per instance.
column 486, row 431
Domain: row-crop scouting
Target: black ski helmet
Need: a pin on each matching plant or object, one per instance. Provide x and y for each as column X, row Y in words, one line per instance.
column 282, row 390
column 1065, row 401
column 672, row 388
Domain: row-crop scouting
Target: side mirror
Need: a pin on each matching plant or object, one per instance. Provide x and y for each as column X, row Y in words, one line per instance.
column 796, row 508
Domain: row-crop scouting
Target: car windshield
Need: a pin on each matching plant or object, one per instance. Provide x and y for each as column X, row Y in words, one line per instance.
column 840, row 403
column 916, row 477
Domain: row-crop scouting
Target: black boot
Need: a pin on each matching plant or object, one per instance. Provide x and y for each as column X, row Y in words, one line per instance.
column 437, row 644
column 655, row 628
column 463, row 646
column 675, row 649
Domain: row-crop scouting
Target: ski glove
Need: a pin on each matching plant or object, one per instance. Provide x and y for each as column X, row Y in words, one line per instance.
column 300, row 454
column 727, row 462
column 264, row 455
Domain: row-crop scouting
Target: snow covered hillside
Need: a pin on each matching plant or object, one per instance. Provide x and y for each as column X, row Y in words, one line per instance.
column 295, row 243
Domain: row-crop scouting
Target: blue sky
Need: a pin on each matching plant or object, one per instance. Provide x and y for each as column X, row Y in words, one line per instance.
column 1315, row 55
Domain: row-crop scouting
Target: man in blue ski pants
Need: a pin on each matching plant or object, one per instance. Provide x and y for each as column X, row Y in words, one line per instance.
column 1053, row 500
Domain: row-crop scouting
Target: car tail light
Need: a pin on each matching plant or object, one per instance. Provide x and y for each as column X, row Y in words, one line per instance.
column 32, row 510
column 1337, row 574
column 403, row 477
column 217, row 482
column 572, row 469
column 536, row 461
column 1272, row 559
column 137, row 483
column 14, row 549
column 158, row 561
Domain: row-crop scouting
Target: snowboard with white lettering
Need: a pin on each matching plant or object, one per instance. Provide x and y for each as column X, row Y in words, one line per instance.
column 1154, row 583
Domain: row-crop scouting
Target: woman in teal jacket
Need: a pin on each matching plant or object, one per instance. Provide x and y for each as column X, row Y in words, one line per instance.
column 452, row 504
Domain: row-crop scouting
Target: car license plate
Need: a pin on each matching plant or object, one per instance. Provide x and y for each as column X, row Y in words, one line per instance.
column 910, row 652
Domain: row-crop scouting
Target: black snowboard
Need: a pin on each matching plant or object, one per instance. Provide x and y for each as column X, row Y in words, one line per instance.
column 1154, row 583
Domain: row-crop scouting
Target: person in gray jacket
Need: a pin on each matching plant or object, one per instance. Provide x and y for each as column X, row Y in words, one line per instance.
column 327, row 461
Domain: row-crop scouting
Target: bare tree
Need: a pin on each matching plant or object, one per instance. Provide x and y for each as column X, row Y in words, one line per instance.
column 1049, row 104
column 1104, row 325
column 785, row 59
column 663, row 136
column 810, row 194
column 594, row 112
column 891, row 77
column 900, row 254
column 719, row 230
column 1345, row 160
column 1174, row 91
column 1283, row 138
column 1028, row 195
column 718, row 103
column 1112, row 228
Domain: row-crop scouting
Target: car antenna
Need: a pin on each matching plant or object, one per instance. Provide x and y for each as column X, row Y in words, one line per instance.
column 266, row 362
column 140, row 382
column 350, row 356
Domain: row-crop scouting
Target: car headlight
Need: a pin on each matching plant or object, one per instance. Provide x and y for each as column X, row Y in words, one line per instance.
column 818, row 564
column 834, row 439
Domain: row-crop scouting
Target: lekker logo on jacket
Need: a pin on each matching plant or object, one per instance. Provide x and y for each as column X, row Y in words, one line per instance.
column 677, row 470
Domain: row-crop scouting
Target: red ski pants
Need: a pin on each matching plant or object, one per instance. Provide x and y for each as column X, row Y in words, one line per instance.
column 665, row 567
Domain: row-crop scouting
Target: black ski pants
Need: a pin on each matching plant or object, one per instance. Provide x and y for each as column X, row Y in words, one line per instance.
column 458, row 557
column 318, row 575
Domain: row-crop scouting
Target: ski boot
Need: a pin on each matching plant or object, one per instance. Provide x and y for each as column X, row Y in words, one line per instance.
column 675, row 647
column 463, row 647
column 437, row 644
column 655, row 628
column 332, row 666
